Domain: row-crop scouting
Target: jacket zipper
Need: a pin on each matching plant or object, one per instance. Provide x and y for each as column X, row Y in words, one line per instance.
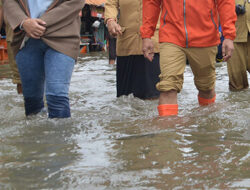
column 164, row 18
column 213, row 20
column 185, row 24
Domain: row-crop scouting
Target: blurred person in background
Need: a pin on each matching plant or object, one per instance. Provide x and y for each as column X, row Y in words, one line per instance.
column 111, row 49
column 239, row 64
column 9, row 35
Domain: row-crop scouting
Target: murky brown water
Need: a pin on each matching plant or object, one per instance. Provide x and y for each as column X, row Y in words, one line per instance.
column 119, row 143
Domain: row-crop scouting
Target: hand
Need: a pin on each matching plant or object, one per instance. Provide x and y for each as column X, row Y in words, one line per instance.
column 34, row 28
column 114, row 28
column 80, row 13
column 227, row 49
column 148, row 48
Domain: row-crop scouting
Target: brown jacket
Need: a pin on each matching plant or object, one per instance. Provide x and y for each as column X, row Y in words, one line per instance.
column 8, row 30
column 62, row 29
column 130, row 19
column 243, row 23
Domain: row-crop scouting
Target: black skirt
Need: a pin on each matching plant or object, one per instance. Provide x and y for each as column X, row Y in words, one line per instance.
column 138, row 76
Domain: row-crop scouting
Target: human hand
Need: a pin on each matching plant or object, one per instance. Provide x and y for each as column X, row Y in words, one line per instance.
column 114, row 28
column 227, row 49
column 34, row 28
column 80, row 13
column 148, row 48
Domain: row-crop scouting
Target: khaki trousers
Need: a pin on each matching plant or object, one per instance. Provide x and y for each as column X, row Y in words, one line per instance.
column 238, row 65
column 173, row 62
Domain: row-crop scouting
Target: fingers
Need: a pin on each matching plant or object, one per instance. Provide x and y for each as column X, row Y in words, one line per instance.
column 34, row 35
column 149, row 56
column 34, row 28
column 31, row 35
column 148, row 53
column 228, row 53
column 148, row 48
column 223, row 50
column 40, row 22
column 37, row 33
column 40, row 29
column 115, row 31
column 227, row 56
column 119, row 29
column 114, row 28
column 227, row 49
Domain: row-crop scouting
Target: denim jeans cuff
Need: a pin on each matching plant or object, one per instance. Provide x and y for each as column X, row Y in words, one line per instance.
column 58, row 106
column 33, row 105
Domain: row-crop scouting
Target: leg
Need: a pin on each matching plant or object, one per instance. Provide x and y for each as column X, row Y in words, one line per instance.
column 112, row 50
column 168, row 97
column 111, row 61
column 202, row 63
column 207, row 94
column 15, row 73
column 145, row 76
column 237, row 67
column 124, row 72
column 172, row 65
column 31, row 68
column 137, row 76
column 152, row 72
column 248, row 53
column 206, row 97
column 58, row 72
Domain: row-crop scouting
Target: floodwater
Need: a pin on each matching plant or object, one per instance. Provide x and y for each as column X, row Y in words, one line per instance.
column 120, row 144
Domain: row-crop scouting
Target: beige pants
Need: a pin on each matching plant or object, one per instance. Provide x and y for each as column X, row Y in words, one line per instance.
column 15, row 74
column 173, row 63
column 238, row 65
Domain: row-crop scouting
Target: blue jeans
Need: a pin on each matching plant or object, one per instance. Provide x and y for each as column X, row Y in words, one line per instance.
column 42, row 68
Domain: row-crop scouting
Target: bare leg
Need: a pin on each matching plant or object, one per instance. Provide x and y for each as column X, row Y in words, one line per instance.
column 207, row 94
column 168, row 103
column 169, row 97
column 206, row 97
column 19, row 88
column 111, row 61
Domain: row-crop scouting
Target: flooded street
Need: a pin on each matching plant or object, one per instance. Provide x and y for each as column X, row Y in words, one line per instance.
column 120, row 144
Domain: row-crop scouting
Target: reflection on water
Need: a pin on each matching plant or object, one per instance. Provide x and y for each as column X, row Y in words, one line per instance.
column 120, row 143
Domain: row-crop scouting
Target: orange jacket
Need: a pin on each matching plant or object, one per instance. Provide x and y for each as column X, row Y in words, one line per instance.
column 189, row 23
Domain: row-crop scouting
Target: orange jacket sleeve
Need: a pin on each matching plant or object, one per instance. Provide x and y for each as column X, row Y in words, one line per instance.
column 150, row 14
column 228, row 18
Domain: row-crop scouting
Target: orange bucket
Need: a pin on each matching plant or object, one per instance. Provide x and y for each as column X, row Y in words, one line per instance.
column 3, row 51
column 84, row 49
